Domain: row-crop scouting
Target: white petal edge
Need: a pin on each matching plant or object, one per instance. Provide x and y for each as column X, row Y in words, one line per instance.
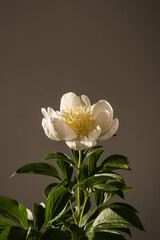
column 111, row 131
column 80, row 145
column 47, row 131
column 104, row 120
column 86, row 101
column 69, row 100
column 44, row 112
column 49, row 113
column 101, row 106
column 62, row 130
column 94, row 135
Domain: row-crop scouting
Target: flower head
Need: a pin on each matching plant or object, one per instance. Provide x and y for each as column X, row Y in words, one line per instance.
column 79, row 123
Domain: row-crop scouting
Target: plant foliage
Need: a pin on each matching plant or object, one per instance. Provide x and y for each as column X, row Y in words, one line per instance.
column 68, row 213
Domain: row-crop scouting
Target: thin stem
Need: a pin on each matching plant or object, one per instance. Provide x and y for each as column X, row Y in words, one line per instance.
column 78, row 189
column 83, row 207
column 72, row 211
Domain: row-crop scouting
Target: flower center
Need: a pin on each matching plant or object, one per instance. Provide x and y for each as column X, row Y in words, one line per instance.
column 79, row 119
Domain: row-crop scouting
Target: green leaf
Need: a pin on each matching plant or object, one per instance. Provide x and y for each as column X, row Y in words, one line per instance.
column 13, row 232
column 75, row 154
column 67, row 216
column 77, row 232
column 113, row 227
column 93, row 160
column 88, row 217
column 83, row 172
column 56, row 204
column 65, row 168
column 59, row 234
column 60, row 156
column 121, row 186
column 119, row 213
column 97, row 197
column 71, row 184
column 108, row 236
column 5, row 223
column 12, row 209
column 33, row 235
column 89, row 182
column 90, row 231
column 39, row 168
column 85, row 153
column 116, row 162
column 52, row 187
column 39, row 215
column 104, row 187
column 87, row 206
column 91, row 150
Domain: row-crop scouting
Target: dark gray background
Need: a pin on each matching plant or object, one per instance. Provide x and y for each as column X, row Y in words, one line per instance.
column 104, row 49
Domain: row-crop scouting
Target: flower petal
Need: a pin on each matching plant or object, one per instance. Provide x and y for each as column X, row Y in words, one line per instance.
column 44, row 112
column 47, row 131
column 86, row 101
column 104, row 120
column 80, row 145
column 94, row 135
column 112, row 130
column 70, row 100
column 62, row 130
column 49, row 113
column 101, row 106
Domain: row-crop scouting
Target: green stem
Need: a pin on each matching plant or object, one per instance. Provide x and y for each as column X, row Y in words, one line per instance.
column 83, row 207
column 72, row 211
column 78, row 189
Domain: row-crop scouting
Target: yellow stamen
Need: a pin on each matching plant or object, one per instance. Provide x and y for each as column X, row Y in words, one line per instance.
column 79, row 119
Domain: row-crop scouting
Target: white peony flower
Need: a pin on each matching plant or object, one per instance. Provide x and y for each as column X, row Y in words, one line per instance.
column 79, row 123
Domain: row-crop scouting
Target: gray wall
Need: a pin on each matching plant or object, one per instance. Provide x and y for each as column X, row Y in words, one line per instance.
column 104, row 49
